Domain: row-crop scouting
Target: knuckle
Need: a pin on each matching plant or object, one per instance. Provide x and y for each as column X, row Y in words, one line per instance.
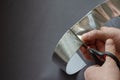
column 104, row 28
column 94, row 32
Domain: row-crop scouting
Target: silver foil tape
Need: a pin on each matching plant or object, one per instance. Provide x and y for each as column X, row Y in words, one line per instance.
column 65, row 54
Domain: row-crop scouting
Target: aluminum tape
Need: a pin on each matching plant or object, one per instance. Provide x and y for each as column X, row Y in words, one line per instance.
column 65, row 54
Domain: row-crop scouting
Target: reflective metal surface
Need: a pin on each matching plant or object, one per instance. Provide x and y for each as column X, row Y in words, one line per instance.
column 70, row 43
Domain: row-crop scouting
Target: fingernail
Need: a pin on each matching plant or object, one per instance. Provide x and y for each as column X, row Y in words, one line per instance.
column 109, row 41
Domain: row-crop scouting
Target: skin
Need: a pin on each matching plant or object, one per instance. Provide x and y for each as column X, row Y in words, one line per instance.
column 96, row 39
column 108, row 71
column 102, row 40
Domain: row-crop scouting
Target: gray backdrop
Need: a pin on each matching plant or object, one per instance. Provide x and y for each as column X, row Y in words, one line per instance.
column 29, row 31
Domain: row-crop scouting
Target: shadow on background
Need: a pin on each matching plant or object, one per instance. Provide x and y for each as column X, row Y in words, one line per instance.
column 64, row 76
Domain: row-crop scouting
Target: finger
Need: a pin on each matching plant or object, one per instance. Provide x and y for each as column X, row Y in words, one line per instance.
column 110, row 47
column 90, row 70
column 100, row 45
column 85, row 53
column 92, row 46
column 93, row 35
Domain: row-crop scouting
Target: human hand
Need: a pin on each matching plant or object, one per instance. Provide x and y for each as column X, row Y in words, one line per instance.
column 96, row 39
column 108, row 71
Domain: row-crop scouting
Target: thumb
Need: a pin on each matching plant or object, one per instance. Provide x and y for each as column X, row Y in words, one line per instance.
column 110, row 47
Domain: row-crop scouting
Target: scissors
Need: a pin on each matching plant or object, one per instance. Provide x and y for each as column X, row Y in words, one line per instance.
column 65, row 53
column 99, row 57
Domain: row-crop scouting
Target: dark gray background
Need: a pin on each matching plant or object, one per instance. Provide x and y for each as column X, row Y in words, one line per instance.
column 29, row 31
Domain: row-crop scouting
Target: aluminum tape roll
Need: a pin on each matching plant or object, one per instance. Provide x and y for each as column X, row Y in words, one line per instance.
column 65, row 54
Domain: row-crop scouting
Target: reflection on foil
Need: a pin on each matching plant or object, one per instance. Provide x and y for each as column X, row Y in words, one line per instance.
column 70, row 43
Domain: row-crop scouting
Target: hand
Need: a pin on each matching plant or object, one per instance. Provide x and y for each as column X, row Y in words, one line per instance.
column 108, row 71
column 96, row 39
